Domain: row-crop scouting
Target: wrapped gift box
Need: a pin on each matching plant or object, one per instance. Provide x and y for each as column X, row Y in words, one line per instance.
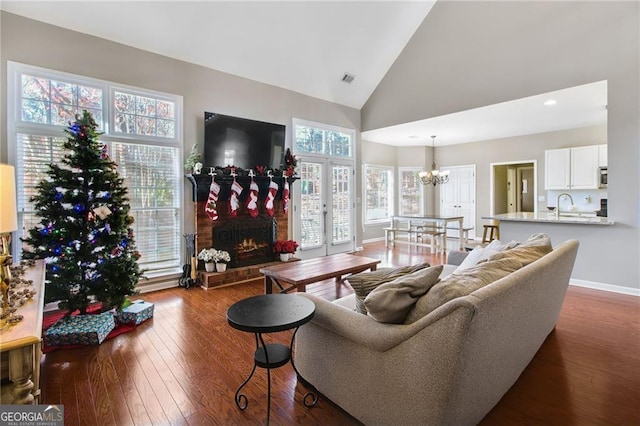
column 80, row 330
column 137, row 312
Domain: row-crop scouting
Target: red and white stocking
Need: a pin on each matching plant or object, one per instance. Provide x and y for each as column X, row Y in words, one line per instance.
column 285, row 197
column 211, row 207
column 234, row 203
column 252, row 199
column 271, row 196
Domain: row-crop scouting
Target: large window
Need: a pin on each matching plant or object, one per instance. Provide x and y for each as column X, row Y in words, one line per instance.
column 142, row 132
column 411, row 192
column 378, row 193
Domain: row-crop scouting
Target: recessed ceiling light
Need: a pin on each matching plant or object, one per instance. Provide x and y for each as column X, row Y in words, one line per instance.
column 550, row 102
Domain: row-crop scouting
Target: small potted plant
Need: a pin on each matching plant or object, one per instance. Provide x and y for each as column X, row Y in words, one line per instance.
column 221, row 259
column 285, row 248
column 208, row 257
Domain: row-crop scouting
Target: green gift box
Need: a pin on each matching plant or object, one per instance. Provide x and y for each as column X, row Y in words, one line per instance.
column 139, row 311
column 80, row 330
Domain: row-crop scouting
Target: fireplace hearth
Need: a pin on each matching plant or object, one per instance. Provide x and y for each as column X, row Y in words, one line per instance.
column 248, row 241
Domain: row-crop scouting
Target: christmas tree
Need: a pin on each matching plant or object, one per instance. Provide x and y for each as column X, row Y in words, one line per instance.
column 84, row 233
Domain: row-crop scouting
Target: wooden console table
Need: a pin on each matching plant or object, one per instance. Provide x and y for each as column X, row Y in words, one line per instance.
column 20, row 345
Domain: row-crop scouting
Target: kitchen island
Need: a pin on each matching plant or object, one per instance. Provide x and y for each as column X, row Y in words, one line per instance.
column 551, row 217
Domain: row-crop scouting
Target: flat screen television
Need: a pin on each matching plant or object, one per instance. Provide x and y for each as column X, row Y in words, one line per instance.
column 240, row 142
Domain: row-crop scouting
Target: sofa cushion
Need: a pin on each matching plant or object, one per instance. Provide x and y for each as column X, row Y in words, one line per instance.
column 390, row 302
column 364, row 282
column 460, row 284
column 528, row 251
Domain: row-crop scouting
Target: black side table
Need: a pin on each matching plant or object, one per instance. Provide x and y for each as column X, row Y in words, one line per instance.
column 270, row 313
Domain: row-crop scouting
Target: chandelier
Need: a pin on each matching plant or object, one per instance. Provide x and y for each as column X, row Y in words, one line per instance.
column 435, row 176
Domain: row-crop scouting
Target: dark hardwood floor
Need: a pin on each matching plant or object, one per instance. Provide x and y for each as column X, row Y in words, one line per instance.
column 184, row 365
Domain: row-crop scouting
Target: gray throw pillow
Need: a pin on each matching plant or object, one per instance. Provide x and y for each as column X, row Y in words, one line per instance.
column 460, row 284
column 364, row 282
column 390, row 302
column 528, row 251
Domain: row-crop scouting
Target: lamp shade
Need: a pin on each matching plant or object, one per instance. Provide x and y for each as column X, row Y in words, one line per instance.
column 8, row 207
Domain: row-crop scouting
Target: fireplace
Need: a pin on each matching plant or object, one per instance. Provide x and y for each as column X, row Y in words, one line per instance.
column 248, row 241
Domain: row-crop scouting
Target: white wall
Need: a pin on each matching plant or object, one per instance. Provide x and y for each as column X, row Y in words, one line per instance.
column 471, row 54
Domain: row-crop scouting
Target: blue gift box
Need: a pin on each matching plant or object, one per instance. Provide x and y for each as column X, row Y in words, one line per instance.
column 80, row 330
column 135, row 313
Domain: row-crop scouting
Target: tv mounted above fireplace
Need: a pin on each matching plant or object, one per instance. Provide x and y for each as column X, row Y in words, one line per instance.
column 240, row 142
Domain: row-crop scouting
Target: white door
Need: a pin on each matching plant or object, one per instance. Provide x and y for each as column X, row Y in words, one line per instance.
column 325, row 217
column 458, row 197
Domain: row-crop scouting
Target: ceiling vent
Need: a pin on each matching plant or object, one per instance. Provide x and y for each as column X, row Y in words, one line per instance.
column 348, row 78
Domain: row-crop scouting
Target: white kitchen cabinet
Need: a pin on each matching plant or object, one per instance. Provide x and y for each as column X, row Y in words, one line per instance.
column 602, row 155
column 584, row 167
column 557, row 169
column 572, row 168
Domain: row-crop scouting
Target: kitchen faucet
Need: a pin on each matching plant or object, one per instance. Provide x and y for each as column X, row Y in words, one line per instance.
column 558, row 202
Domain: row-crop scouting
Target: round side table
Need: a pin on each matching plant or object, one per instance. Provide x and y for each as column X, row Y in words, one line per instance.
column 270, row 313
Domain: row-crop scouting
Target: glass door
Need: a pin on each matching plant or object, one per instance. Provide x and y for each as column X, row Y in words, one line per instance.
column 326, row 208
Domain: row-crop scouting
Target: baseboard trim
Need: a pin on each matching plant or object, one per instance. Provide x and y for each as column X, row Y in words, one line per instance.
column 605, row 287
column 372, row 240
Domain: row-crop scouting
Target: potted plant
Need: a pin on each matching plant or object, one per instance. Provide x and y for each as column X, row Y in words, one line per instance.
column 208, row 256
column 221, row 259
column 285, row 248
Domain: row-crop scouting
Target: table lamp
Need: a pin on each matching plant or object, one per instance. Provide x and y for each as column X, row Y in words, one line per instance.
column 8, row 224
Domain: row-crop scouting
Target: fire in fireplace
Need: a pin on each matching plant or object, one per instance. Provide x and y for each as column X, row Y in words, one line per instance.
column 248, row 241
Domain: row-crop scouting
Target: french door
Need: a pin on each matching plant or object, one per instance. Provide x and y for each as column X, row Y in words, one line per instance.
column 458, row 197
column 324, row 207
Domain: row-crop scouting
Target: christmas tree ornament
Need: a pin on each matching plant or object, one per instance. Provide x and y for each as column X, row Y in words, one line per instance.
column 285, row 197
column 252, row 199
column 271, row 196
column 211, row 208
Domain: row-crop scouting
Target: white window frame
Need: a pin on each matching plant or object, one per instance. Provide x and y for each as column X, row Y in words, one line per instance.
column 390, row 196
column 420, row 201
column 15, row 126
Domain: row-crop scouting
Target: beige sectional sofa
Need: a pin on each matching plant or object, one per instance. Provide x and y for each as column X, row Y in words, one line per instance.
column 449, row 367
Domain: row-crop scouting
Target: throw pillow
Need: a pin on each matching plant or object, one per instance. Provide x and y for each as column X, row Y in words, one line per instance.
column 480, row 254
column 390, row 302
column 364, row 282
column 460, row 284
column 529, row 251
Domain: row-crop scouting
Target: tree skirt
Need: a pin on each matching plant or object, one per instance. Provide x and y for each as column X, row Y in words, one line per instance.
column 51, row 319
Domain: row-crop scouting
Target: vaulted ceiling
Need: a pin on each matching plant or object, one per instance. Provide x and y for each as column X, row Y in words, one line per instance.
column 308, row 47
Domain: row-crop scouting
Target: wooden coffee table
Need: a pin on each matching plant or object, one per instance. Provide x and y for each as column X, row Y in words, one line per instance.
column 296, row 275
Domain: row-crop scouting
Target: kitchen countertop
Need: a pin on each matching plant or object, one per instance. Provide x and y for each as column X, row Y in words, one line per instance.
column 548, row 217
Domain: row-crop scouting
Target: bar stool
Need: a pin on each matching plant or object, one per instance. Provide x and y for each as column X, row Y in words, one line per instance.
column 493, row 229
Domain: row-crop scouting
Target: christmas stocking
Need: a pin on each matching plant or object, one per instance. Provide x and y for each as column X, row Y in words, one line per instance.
column 252, row 199
column 211, row 207
column 234, row 203
column 268, row 204
column 285, row 197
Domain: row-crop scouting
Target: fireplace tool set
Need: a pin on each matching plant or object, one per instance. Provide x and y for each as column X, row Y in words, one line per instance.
column 189, row 276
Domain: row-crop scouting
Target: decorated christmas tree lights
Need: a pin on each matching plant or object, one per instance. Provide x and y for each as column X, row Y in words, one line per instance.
column 84, row 233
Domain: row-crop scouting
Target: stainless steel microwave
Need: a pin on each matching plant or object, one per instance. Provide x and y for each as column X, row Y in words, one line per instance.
column 602, row 177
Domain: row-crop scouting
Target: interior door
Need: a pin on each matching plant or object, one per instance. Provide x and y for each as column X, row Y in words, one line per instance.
column 458, row 197
column 324, row 222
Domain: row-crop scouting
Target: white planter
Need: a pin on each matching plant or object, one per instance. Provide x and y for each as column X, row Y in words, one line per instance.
column 284, row 257
column 209, row 266
column 221, row 267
